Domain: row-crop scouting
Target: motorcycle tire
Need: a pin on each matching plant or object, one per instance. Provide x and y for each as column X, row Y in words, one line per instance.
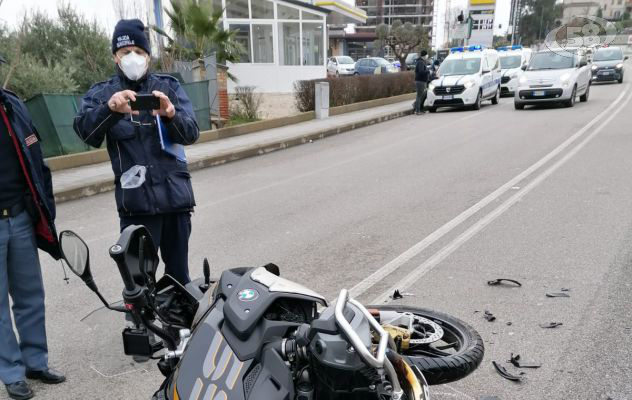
column 448, row 367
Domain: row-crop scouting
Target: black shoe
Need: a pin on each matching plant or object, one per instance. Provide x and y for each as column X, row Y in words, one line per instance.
column 19, row 391
column 48, row 376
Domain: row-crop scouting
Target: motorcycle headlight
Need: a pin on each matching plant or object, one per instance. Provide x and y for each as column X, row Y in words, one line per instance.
column 619, row 66
column 469, row 84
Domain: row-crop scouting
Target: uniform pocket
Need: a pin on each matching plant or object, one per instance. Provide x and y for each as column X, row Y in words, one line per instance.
column 180, row 190
column 132, row 201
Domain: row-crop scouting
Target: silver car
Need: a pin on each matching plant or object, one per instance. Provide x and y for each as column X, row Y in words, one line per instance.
column 341, row 65
column 554, row 77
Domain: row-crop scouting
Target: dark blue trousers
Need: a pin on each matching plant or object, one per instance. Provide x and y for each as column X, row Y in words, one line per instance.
column 21, row 277
column 170, row 233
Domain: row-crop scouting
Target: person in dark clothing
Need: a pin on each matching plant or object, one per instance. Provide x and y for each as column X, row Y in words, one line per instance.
column 153, row 186
column 422, row 76
column 27, row 214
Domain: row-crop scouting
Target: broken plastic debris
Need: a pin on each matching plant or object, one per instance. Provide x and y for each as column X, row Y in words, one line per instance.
column 509, row 323
column 489, row 316
column 501, row 280
column 551, row 325
column 560, row 294
column 515, row 360
column 502, row 371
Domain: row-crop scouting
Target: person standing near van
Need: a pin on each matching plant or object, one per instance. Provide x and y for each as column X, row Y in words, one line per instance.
column 153, row 186
column 421, row 81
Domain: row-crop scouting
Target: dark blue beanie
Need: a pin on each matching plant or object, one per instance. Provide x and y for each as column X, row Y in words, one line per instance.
column 130, row 32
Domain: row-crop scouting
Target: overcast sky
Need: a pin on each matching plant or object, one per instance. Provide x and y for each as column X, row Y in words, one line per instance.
column 103, row 10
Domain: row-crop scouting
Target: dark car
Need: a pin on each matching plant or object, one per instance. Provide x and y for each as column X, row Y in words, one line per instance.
column 411, row 60
column 608, row 64
column 374, row 65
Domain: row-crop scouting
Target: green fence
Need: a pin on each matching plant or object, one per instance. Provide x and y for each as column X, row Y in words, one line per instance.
column 53, row 116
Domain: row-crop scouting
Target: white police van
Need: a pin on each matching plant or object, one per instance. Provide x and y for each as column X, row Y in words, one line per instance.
column 512, row 59
column 466, row 77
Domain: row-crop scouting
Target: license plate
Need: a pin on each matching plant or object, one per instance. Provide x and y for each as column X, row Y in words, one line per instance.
column 538, row 93
column 606, row 73
column 448, row 97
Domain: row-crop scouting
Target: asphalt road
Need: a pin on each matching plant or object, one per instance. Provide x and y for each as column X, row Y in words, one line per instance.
column 435, row 205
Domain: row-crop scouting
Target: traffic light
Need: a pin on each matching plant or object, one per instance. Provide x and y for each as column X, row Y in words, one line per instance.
column 460, row 18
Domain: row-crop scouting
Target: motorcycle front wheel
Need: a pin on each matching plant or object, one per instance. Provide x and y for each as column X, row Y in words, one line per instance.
column 453, row 351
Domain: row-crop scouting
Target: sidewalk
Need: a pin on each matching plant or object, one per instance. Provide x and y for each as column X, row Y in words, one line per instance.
column 75, row 183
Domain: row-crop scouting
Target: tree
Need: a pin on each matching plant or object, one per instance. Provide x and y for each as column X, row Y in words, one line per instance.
column 401, row 38
column 538, row 18
column 198, row 32
column 500, row 41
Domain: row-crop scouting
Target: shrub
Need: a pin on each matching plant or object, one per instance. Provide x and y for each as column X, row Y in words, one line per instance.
column 248, row 104
column 354, row 89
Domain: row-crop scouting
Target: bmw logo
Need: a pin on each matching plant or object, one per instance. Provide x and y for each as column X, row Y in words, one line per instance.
column 248, row 295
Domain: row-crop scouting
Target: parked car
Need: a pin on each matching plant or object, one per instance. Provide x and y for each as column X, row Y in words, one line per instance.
column 395, row 62
column 411, row 60
column 374, row 65
column 512, row 59
column 341, row 65
column 554, row 77
column 608, row 64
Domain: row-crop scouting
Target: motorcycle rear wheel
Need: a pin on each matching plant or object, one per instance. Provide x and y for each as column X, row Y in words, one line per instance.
column 463, row 354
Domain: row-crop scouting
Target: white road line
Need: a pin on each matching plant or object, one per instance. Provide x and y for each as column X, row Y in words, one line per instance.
column 442, row 254
column 364, row 285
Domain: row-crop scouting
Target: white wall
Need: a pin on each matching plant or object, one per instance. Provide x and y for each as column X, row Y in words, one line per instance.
column 269, row 78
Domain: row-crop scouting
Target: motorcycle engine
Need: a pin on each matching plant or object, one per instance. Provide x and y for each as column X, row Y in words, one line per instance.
column 337, row 371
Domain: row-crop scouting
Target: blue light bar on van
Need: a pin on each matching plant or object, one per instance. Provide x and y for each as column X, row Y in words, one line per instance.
column 457, row 50
column 502, row 48
column 475, row 48
column 516, row 47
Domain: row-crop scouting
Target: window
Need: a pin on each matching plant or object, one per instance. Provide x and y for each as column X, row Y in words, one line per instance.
column 284, row 12
column 310, row 16
column 262, row 43
column 261, row 9
column 313, row 53
column 289, row 43
column 243, row 38
column 237, row 9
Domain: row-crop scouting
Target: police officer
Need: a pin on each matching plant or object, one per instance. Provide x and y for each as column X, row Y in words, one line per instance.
column 153, row 187
column 421, row 81
column 27, row 212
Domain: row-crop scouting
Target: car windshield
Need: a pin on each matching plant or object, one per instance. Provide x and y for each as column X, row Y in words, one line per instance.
column 410, row 57
column 465, row 66
column 345, row 60
column 551, row 60
column 609, row 54
column 508, row 62
column 381, row 61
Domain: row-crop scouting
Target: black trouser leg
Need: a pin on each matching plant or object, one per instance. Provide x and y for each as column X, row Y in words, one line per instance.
column 421, row 96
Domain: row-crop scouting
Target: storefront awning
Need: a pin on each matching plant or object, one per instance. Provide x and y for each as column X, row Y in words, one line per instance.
column 341, row 13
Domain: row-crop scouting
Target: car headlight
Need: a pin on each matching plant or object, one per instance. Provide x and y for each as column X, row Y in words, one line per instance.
column 619, row 66
column 595, row 68
column 523, row 80
column 564, row 79
column 513, row 75
column 431, row 87
column 469, row 84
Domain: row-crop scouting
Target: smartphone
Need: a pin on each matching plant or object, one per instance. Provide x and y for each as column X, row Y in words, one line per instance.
column 145, row 102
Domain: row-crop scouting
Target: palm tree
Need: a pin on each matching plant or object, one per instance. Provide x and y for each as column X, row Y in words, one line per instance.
column 198, row 32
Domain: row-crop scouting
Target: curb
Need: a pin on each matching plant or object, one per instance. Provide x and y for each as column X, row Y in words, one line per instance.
column 223, row 158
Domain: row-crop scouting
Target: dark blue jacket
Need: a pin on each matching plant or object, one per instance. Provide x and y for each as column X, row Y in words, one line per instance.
column 167, row 187
column 36, row 172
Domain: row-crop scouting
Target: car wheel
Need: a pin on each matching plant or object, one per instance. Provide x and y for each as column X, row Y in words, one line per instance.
column 620, row 79
column 496, row 97
column 584, row 97
column 571, row 102
column 432, row 109
column 355, row 74
column 477, row 104
column 518, row 106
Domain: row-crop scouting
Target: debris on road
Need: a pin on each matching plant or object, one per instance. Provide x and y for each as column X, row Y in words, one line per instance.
column 501, row 281
column 489, row 316
column 509, row 323
column 502, row 371
column 397, row 295
column 515, row 360
column 551, row 325
column 565, row 289
column 560, row 294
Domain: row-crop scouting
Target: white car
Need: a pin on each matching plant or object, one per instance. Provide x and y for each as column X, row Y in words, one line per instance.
column 466, row 77
column 512, row 59
column 341, row 65
column 552, row 76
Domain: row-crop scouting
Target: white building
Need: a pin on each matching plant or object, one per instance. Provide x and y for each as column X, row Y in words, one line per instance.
column 482, row 13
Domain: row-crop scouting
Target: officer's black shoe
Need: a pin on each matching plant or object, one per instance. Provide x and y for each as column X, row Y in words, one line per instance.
column 19, row 391
column 48, row 376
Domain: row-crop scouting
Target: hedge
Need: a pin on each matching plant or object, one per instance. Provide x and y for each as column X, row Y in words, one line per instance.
column 354, row 89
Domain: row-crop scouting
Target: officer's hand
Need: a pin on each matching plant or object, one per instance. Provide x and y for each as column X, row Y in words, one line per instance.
column 166, row 107
column 119, row 102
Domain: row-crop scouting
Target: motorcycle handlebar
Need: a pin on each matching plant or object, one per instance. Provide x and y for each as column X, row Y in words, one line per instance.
column 117, row 253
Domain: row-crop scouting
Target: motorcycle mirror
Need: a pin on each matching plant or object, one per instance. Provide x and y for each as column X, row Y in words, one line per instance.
column 76, row 254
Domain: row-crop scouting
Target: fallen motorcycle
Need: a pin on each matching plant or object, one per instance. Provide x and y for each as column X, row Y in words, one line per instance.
column 254, row 335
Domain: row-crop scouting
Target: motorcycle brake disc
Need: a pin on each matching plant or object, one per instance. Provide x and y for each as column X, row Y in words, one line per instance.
column 432, row 332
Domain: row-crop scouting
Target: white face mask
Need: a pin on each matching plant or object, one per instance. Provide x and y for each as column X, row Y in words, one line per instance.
column 133, row 66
